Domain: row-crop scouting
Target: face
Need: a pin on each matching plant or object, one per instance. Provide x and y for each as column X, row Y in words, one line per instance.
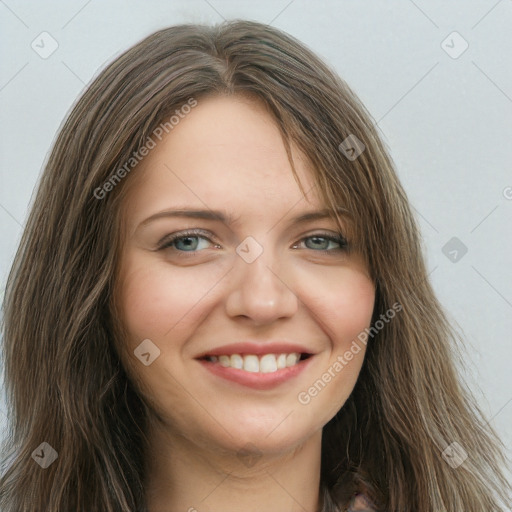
column 238, row 321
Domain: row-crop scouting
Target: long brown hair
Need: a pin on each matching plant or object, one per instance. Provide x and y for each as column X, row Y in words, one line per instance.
column 64, row 380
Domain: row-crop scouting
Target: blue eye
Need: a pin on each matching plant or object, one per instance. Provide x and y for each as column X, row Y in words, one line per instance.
column 324, row 242
column 190, row 242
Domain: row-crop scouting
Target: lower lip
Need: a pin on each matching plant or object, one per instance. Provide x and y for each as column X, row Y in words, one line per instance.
column 257, row 380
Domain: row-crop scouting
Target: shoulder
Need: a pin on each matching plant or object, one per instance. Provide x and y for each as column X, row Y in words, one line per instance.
column 360, row 503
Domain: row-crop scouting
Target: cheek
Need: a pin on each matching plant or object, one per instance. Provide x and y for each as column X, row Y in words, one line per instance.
column 342, row 303
column 156, row 300
column 343, row 310
column 354, row 308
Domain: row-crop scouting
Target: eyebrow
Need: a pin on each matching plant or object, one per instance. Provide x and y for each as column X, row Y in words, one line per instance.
column 231, row 220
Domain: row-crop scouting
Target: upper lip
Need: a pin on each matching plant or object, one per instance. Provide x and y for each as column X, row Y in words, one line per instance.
column 257, row 348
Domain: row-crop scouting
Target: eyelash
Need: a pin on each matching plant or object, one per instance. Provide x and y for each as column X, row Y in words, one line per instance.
column 171, row 239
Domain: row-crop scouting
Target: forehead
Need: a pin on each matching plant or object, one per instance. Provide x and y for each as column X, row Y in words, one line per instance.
column 223, row 134
column 225, row 149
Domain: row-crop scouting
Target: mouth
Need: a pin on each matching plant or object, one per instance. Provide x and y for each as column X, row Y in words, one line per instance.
column 252, row 363
column 256, row 371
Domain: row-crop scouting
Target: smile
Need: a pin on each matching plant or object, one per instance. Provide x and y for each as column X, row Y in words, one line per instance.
column 260, row 372
column 265, row 363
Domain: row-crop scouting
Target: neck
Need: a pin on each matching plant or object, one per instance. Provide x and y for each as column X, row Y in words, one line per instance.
column 183, row 477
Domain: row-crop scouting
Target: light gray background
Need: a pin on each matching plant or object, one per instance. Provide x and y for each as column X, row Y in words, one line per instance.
column 446, row 121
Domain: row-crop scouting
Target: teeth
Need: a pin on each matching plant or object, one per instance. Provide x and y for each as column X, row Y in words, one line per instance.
column 267, row 363
column 292, row 359
column 224, row 361
column 237, row 361
column 251, row 364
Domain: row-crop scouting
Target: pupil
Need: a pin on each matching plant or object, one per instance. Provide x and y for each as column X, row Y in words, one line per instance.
column 187, row 242
column 318, row 240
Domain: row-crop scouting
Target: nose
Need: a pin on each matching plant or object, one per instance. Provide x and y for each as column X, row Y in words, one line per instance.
column 259, row 293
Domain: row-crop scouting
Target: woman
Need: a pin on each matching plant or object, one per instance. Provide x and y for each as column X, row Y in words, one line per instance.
column 220, row 302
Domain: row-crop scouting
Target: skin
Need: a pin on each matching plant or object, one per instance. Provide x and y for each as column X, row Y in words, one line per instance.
column 228, row 155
